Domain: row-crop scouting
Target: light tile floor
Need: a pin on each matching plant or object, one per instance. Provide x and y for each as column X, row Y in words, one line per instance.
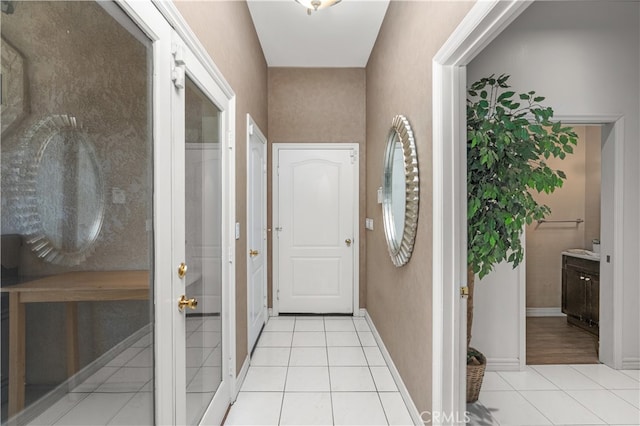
column 329, row 371
column 592, row 394
column 318, row 371
column 120, row 393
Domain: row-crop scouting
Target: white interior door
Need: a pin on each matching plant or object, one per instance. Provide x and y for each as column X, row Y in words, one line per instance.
column 256, row 231
column 316, row 232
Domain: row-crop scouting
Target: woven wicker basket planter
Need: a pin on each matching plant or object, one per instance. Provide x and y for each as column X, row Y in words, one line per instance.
column 475, row 373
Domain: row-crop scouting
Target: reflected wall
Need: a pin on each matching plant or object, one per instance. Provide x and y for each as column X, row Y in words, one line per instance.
column 74, row 59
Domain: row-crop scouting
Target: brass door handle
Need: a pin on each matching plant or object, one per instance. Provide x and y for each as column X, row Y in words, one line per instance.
column 183, row 302
column 182, row 270
column 253, row 253
column 348, row 242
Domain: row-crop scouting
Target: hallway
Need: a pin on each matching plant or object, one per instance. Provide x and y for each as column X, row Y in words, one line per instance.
column 314, row 370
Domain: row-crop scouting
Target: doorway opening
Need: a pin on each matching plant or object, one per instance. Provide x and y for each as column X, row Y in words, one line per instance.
column 480, row 27
column 563, row 261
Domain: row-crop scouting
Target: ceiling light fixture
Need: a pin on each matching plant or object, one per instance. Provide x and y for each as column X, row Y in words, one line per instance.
column 315, row 5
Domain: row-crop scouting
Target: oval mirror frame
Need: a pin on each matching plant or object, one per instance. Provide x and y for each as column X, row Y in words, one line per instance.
column 400, row 246
column 51, row 130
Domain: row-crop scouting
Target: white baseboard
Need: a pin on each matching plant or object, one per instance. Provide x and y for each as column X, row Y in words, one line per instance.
column 361, row 313
column 413, row 410
column 631, row 363
column 503, row 364
column 241, row 376
column 270, row 312
column 545, row 312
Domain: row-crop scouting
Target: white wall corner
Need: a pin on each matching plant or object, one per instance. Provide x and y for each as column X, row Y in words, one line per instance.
column 404, row 392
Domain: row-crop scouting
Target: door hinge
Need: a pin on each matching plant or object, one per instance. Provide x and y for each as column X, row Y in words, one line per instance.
column 229, row 139
column 230, row 255
column 177, row 71
column 354, row 156
column 278, row 294
column 464, row 291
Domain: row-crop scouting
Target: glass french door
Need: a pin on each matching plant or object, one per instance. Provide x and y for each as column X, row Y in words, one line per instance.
column 78, row 254
column 201, row 113
column 117, row 187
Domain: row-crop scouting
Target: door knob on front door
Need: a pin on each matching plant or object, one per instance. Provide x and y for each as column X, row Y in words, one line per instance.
column 348, row 242
column 183, row 302
column 253, row 253
column 182, row 270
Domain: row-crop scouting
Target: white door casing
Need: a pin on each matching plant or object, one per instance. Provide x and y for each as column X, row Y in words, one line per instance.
column 481, row 25
column 256, row 231
column 315, row 228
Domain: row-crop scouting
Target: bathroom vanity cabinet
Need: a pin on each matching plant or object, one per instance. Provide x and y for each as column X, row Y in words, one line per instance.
column 581, row 291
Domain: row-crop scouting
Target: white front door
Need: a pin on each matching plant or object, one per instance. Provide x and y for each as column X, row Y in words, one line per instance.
column 315, row 223
column 201, row 346
column 256, row 231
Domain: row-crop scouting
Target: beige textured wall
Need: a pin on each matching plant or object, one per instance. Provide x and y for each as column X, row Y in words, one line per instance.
column 546, row 241
column 81, row 62
column 319, row 105
column 593, row 138
column 69, row 73
column 399, row 82
column 226, row 30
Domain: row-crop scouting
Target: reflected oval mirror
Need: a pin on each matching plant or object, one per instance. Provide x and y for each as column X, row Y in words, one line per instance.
column 66, row 207
column 400, row 191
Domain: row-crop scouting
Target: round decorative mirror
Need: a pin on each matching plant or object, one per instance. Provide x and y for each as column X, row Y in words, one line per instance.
column 61, row 191
column 400, row 191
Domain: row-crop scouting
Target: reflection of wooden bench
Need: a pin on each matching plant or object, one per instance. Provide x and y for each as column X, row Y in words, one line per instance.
column 71, row 287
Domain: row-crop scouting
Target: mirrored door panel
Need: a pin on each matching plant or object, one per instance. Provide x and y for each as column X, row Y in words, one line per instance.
column 203, row 242
column 77, row 215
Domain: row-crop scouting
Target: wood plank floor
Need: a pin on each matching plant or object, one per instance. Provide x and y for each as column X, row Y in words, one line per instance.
column 550, row 340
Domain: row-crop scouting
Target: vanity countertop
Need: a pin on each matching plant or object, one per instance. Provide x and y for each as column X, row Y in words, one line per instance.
column 583, row 254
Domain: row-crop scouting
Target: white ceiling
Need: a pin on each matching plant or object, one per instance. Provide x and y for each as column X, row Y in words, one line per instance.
column 340, row 36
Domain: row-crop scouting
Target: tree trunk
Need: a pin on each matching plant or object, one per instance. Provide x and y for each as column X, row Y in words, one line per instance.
column 470, row 285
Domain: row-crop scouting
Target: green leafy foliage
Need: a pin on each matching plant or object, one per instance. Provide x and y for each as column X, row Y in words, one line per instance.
column 509, row 137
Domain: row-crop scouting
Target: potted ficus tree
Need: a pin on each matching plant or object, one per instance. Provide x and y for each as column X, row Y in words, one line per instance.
column 509, row 137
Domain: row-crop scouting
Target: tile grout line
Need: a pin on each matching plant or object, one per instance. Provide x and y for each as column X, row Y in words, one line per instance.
column 561, row 390
column 487, row 410
column 286, row 374
column 95, row 390
column 529, row 402
column 121, row 408
column 326, row 348
column 587, row 408
column 375, row 385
